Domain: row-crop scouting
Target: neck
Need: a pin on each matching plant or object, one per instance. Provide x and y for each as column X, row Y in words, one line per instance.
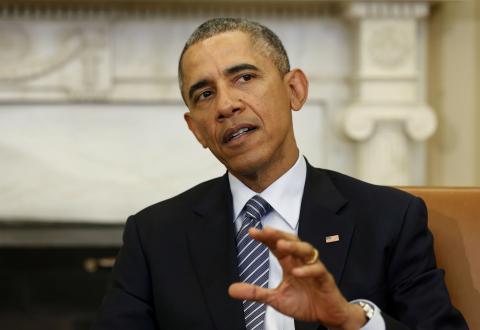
column 268, row 174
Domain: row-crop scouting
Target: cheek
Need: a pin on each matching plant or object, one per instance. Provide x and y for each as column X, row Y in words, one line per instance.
column 276, row 95
column 259, row 97
column 204, row 127
column 209, row 133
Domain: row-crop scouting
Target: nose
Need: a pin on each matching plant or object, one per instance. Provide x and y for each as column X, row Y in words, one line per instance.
column 227, row 103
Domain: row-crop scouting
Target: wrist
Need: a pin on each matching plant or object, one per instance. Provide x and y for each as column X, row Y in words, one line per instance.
column 356, row 318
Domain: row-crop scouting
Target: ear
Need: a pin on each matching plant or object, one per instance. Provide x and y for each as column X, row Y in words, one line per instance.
column 297, row 83
column 194, row 128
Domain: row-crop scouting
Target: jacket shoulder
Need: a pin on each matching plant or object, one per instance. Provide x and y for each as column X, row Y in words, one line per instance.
column 176, row 206
column 355, row 189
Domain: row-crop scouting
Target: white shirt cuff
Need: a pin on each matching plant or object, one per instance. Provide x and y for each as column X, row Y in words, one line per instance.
column 376, row 322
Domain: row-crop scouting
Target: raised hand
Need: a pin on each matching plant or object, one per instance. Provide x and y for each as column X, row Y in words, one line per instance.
column 308, row 291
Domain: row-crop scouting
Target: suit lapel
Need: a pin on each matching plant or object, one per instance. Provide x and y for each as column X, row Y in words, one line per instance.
column 321, row 216
column 212, row 248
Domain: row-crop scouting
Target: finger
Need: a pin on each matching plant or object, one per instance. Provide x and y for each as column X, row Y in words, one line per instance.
column 270, row 236
column 298, row 249
column 246, row 291
column 316, row 270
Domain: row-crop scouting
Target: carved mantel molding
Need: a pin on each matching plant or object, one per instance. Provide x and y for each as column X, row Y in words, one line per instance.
column 80, row 62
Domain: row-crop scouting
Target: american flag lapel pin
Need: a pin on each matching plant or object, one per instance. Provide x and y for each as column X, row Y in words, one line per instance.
column 332, row 238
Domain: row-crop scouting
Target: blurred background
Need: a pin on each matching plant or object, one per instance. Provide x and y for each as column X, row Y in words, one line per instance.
column 92, row 130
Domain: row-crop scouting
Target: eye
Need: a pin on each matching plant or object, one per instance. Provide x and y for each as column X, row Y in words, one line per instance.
column 203, row 95
column 246, row 77
column 206, row 94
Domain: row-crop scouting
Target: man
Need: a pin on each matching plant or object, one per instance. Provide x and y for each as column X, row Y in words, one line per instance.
column 363, row 256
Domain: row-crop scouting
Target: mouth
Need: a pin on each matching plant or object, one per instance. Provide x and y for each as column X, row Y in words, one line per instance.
column 237, row 132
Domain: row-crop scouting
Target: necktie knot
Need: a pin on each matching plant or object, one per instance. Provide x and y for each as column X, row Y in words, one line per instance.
column 256, row 208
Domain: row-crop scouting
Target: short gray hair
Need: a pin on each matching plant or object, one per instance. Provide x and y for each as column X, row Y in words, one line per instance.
column 261, row 36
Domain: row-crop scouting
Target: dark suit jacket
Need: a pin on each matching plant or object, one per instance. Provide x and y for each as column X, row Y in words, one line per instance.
column 179, row 258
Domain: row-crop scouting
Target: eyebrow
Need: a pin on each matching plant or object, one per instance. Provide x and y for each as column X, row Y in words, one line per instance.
column 240, row 67
column 228, row 71
column 200, row 84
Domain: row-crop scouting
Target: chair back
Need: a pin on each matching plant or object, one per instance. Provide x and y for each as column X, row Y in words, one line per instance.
column 454, row 219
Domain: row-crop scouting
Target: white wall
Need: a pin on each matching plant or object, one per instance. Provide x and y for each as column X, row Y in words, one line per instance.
column 454, row 151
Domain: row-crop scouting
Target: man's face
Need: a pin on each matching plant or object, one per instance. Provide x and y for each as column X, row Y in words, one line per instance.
column 239, row 104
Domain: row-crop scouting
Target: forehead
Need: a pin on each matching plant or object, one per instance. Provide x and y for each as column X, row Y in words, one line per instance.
column 213, row 55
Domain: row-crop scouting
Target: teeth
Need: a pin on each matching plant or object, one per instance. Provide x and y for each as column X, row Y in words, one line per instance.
column 238, row 133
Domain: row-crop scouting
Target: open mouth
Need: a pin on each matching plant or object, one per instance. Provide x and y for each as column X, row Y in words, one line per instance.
column 236, row 133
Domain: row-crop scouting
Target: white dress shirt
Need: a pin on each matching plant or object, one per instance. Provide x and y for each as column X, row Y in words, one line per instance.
column 285, row 196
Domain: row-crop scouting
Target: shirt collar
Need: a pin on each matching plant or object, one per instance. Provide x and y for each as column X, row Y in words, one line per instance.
column 284, row 195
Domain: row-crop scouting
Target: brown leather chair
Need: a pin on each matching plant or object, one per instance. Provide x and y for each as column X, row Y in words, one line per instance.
column 454, row 219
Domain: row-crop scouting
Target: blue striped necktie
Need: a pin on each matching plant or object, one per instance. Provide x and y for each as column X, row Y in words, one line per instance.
column 253, row 262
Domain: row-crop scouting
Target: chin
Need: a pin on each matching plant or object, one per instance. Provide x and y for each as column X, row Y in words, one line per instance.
column 245, row 166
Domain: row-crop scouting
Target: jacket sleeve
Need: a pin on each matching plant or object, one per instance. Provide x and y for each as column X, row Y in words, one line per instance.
column 129, row 303
column 418, row 295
